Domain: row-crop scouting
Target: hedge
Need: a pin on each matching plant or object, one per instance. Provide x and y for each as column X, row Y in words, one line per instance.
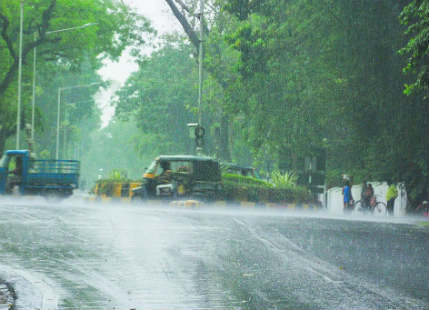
column 241, row 188
column 243, row 180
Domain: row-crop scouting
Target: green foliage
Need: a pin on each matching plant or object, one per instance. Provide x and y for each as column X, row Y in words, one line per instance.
column 284, row 180
column 415, row 17
column 334, row 178
column 118, row 174
column 115, row 27
column 284, row 80
column 114, row 148
column 79, row 114
column 244, row 180
column 316, row 78
column 44, row 154
column 242, row 188
column 159, row 96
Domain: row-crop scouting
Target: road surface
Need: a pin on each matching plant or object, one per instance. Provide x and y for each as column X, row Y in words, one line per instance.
column 76, row 255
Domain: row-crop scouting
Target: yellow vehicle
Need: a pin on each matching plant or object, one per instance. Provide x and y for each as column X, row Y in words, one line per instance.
column 107, row 189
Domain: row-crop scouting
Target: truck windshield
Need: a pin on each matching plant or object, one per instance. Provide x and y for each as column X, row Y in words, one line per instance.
column 152, row 167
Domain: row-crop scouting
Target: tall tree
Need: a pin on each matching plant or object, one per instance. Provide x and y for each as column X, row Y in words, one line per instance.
column 415, row 16
column 160, row 97
column 187, row 15
column 117, row 27
column 326, row 75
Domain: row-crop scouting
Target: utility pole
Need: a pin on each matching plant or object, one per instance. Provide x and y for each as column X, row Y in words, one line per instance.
column 18, row 113
column 57, row 149
column 65, row 135
column 200, row 130
column 60, row 89
column 200, row 63
column 33, row 98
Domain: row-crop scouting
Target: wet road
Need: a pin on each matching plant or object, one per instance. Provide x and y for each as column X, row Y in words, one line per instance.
column 81, row 256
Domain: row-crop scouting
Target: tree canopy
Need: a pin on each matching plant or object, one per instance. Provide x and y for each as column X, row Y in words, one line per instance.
column 114, row 27
column 302, row 78
column 344, row 82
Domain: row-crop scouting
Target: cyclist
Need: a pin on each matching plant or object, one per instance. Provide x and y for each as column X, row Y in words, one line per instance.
column 367, row 195
column 372, row 200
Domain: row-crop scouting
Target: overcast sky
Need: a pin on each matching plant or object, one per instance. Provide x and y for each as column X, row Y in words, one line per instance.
column 158, row 12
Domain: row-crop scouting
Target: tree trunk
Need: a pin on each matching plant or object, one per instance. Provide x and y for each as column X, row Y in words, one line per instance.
column 224, row 138
column 3, row 137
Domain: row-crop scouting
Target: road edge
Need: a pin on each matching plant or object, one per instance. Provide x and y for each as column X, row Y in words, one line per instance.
column 7, row 296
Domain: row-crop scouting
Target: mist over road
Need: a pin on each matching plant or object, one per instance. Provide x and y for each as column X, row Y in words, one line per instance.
column 75, row 255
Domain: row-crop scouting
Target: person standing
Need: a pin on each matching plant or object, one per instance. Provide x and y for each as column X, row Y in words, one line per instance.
column 347, row 193
column 391, row 195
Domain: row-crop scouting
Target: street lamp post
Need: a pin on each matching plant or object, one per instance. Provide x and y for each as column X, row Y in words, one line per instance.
column 199, row 145
column 57, row 150
column 18, row 113
column 67, row 117
column 60, row 89
column 33, row 100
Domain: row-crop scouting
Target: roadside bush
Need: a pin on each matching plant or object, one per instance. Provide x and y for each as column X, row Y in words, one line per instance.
column 243, row 180
column 241, row 188
column 284, row 180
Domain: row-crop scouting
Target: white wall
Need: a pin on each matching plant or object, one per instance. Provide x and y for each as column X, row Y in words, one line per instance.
column 335, row 197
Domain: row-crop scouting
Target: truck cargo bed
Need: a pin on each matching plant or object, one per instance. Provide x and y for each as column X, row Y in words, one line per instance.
column 53, row 172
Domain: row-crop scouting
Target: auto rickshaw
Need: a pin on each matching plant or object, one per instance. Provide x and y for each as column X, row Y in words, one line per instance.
column 175, row 177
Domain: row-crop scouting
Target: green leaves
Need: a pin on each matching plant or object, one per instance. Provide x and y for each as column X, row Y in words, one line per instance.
column 416, row 17
column 311, row 71
column 114, row 27
column 162, row 96
column 284, row 180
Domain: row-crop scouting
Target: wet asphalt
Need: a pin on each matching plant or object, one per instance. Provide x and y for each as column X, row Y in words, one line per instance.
column 77, row 255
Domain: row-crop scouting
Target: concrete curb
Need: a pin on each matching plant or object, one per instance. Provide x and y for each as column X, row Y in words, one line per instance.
column 221, row 203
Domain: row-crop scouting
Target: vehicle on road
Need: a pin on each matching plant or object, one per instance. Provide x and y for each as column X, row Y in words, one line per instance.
column 375, row 206
column 21, row 173
column 180, row 177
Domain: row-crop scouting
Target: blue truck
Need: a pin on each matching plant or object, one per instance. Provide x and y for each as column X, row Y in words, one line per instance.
column 20, row 172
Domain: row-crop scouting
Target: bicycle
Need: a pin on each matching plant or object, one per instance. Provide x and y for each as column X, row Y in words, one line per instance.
column 374, row 207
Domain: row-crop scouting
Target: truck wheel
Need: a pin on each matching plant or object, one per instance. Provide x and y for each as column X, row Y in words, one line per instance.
column 52, row 196
column 66, row 194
